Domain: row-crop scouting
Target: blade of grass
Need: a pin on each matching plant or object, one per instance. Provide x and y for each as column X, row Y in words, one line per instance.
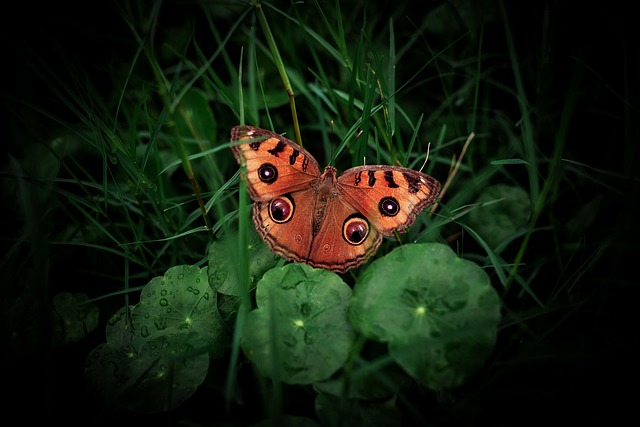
column 262, row 19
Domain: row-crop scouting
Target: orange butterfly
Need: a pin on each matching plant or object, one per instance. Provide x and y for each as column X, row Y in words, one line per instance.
column 320, row 218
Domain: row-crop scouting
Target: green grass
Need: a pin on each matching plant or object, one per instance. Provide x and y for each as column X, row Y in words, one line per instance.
column 119, row 171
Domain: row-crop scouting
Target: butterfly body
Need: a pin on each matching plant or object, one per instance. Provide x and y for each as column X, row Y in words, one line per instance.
column 319, row 217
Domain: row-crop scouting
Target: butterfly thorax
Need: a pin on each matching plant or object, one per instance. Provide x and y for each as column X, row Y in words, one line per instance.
column 324, row 191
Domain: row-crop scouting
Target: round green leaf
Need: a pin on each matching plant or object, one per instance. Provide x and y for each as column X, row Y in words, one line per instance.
column 223, row 262
column 160, row 375
column 165, row 373
column 79, row 317
column 193, row 116
column 368, row 380
column 439, row 313
column 337, row 411
column 505, row 210
column 179, row 302
column 118, row 331
column 106, row 368
column 299, row 332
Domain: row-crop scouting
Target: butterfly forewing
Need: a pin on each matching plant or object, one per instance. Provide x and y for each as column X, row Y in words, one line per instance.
column 275, row 165
column 390, row 197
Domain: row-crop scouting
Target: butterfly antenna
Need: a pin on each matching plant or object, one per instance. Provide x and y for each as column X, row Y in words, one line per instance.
column 364, row 158
column 427, row 158
column 333, row 148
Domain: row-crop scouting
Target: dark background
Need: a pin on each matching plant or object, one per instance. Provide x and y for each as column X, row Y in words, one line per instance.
column 584, row 370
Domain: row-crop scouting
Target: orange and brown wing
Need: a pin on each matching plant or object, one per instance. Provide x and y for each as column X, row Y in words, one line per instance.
column 345, row 238
column 390, row 197
column 285, row 224
column 275, row 165
column 339, row 239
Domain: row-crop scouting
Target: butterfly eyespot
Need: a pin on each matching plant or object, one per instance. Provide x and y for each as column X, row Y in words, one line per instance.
column 355, row 230
column 267, row 173
column 298, row 238
column 326, row 247
column 281, row 209
column 389, row 206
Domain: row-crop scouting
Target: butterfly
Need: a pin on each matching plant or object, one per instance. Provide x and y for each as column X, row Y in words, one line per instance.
column 321, row 218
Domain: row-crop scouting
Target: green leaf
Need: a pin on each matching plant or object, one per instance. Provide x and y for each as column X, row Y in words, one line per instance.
column 497, row 222
column 334, row 411
column 78, row 316
column 106, row 368
column 119, row 332
column 300, row 332
column 179, row 302
column 370, row 380
column 165, row 373
column 148, row 375
column 223, row 265
column 193, row 116
column 438, row 313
